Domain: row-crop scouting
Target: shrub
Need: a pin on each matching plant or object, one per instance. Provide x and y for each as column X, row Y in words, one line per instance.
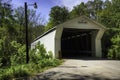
column 39, row 56
column 0, row 62
column 1, row 46
column 38, row 53
column 4, row 52
column 114, row 51
column 50, row 54
column 39, row 61
column 20, row 71
column 19, row 54
column 14, row 72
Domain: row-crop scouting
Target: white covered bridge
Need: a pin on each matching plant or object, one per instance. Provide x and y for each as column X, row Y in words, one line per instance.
column 79, row 37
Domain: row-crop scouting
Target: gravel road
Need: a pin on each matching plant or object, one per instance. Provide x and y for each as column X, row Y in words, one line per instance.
column 83, row 69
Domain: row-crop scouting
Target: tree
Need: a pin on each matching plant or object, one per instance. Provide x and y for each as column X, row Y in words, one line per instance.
column 12, row 29
column 90, row 9
column 34, row 21
column 5, row 11
column 94, row 7
column 57, row 15
column 79, row 10
column 7, row 31
column 110, row 16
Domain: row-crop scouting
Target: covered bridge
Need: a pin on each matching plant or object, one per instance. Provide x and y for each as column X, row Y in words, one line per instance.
column 79, row 37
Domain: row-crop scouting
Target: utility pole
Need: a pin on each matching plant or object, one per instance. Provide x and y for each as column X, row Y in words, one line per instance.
column 26, row 26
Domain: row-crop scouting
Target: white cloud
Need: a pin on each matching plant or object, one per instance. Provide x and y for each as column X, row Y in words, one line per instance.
column 69, row 3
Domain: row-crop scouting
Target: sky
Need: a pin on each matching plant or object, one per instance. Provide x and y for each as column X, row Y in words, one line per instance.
column 44, row 6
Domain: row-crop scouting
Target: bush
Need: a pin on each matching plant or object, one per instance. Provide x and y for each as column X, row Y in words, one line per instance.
column 4, row 52
column 1, row 46
column 14, row 72
column 39, row 61
column 50, row 54
column 23, row 71
column 13, row 55
column 0, row 62
column 39, row 56
column 38, row 53
column 19, row 54
column 114, row 51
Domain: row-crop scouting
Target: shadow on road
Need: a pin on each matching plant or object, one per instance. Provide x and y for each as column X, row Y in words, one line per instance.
column 87, row 58
column 68, row 76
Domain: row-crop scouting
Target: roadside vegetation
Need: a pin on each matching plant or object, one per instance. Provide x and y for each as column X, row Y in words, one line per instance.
column 12, row 43
column 12, row 34
column 40, row 60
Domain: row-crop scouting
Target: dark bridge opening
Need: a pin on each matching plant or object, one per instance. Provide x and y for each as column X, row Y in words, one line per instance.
column 76, row 43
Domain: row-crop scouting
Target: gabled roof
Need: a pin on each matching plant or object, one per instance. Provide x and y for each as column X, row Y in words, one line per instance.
column 54, row 28
column 85, row 17
column 102, row 26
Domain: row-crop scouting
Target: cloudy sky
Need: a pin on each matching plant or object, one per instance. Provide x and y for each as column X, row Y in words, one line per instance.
column 44, row 6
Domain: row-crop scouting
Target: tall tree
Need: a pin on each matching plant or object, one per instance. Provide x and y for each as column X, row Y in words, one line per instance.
column 57, row 15
column 7, row 30
column 110, row 16
column 94, row 7
column 5, row 11
column 79, row 10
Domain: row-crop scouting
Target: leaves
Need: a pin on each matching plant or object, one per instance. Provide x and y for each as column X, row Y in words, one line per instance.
column 79, row 10
column 114, row 51
column 57, row 15
column 19, row 53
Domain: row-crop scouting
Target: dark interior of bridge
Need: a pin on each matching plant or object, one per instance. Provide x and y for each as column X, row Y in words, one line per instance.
column 76, row 43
